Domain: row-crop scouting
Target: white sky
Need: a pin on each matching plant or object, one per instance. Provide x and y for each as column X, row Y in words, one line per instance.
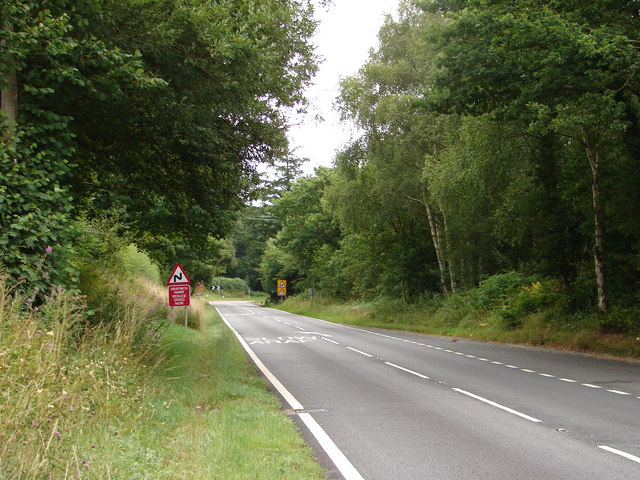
column 347, row 30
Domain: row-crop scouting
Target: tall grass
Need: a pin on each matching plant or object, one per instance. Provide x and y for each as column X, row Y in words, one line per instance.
column 65, row 382
column 135, row 397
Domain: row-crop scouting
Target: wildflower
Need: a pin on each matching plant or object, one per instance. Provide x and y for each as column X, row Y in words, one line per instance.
column 152, row 309
column 36, row 309
column 58, row 434
column 48, row 249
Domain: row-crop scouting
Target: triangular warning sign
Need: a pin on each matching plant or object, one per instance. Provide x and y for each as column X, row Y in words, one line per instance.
column 178, row 276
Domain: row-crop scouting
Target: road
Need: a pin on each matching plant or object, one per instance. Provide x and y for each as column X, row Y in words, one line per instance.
column 393, row 406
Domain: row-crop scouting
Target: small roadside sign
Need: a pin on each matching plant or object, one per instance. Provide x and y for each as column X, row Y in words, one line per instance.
column 179, row 295
column 178, row 276
column 179, row 290
column 282, row 288
column 198, row 291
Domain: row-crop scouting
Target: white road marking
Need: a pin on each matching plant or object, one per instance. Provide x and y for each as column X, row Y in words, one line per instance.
column 316, row 333
column 591, row 386
column 497, row 363
column 512, row 366
column 546, row 375
column 568, row 380
column 329, row 340
column 527, row 370
column 360, row 352
column 341, row 462
column 406, row 370
column 497, row 405
column 621, row 453
column 298, row 327
column 618, row 392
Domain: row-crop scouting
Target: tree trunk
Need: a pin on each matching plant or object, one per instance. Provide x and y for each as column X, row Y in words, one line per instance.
column 10, row 101
column 594, row 156
column 436, row 238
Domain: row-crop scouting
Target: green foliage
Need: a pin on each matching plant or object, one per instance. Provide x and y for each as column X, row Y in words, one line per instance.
column 230, row 285
column 35, row 210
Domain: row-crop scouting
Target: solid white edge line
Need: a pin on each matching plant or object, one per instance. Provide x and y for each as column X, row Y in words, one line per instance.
column 360, row 352
column 338, row 458
column 633, row 458
column 497, row 405
column 341, row 462
column 406, row 370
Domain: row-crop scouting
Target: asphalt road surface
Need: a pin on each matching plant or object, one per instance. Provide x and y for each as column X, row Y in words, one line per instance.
column 383, row 405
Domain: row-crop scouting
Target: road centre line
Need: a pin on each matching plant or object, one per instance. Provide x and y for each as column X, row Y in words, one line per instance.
column 633, row 458
column 360, row 352
column 332, row 341
column 618, row 392
column 407, row 370
column 497, row 405
column 547, row 375
column 338, row 458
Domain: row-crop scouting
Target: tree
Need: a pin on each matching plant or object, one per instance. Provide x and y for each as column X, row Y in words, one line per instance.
column 398, row 134
column 559, row 67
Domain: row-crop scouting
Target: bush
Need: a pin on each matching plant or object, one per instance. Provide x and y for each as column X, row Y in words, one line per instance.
column 514, row 296
column 231, row 285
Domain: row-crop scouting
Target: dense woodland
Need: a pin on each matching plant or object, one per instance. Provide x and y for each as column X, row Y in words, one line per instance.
column 496, row 140
column 499, row 141
column 144, row 119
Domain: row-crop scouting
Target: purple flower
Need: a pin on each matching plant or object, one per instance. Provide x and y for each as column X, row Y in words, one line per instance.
column 58, row 434
column 48, row 249
column 152, row 309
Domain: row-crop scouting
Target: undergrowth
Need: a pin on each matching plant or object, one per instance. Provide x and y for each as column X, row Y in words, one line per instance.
column 66, row 381
column 508, row 308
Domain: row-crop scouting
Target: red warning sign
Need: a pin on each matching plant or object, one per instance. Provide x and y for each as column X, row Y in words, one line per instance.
column 179, row 295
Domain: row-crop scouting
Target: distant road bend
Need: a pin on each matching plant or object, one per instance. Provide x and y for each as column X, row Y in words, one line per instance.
column 394, row 406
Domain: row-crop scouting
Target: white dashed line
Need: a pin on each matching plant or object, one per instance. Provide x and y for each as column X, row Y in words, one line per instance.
column 512, row 366
column 547, row 375
column 568, row 380
column 360, row 352
column 633, row 458
column 332, row 341
column 406, row 370
column 618, row 392
column 497, row 363
column 591, row 386
column 497, row 405
column 527, row 370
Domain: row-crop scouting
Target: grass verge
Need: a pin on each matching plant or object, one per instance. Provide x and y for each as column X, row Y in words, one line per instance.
column 455, row 317
column 214, row 417
column 134, row 398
